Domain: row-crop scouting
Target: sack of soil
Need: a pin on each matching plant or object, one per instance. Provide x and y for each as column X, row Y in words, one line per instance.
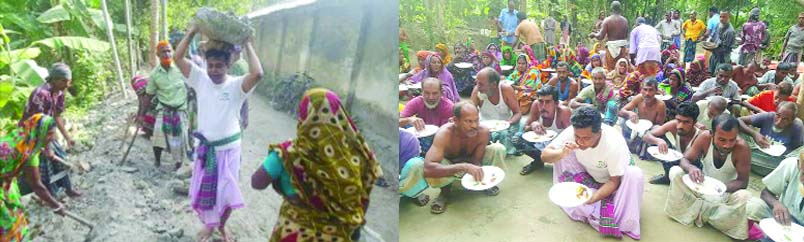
column 223, row 27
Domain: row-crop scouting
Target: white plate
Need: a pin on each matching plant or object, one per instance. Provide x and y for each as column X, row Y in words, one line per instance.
column 403, row 87
column 506, row 68
column 549, row 70
column 672, row 155
column 774, row 150
column 428, row 130
column 401, row 75
column 565, row 194
column 587, row 81
column 745, row 97
column 531, row 136
column 695, row 89
column 664, row 97
column 781, row 233
column 463, row 65
column 710, row 186
column 641, row 125
column 495, row 125
column 415, row 86
column 492, row 176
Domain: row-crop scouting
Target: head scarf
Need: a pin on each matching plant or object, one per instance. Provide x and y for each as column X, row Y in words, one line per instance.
column 696, row 77
column 422, row 54
column 531, row 57
column 493, row 62
column 583, row 55
column 138, row 83
column 448, row 83
column 27, row 140
column 591, row 60
column 498, row 53
column 329, row 163
column 510, row 61
column 617, row 78
column 443, row 48
column 59, row 71
column 530, row 78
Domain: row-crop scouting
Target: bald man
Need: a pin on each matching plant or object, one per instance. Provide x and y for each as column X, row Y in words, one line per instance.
column 615, row 30
column 709, row 110
column 460, row 147
column 780, row 127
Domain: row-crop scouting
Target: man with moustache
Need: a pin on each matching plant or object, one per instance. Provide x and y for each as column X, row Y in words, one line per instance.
column 677, row 134
column 460, row 147
column 596, row 155
column 497, row 101
column 167, row 84
column 781, row 127
column 430, row 108
column 600, row 95
column 642, row 106
column 547, row 114
column 723, row 156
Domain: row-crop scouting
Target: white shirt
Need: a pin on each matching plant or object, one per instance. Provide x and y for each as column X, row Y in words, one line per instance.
column 609, row 158
column 218, row 105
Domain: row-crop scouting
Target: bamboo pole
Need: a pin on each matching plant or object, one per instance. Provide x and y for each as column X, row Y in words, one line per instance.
column 131, row 49
column 154, row 33
column 164, row 20
column 110, row 33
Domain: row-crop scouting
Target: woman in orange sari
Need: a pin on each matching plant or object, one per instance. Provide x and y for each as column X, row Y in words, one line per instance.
column 526, row 80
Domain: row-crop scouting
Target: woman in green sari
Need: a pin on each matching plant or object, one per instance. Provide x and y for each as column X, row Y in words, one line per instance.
column 325, row 175
column 526, row 80
column 19, row 156
column 507, row 56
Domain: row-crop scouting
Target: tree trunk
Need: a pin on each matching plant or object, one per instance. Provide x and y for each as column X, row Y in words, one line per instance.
column 131, row 50
column 154, row 33
column 165, row 33
column 110, row 33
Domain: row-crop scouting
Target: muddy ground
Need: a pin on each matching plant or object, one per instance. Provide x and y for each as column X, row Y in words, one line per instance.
column 137, row 202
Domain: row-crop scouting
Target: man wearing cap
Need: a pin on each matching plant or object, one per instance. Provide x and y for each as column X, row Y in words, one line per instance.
column 48, row 99
column 752, row 35
column 167, row 84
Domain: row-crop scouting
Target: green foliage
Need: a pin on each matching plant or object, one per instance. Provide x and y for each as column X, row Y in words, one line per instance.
column 464, row 18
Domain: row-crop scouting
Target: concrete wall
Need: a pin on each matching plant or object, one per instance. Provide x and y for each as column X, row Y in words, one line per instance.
column 348, row 46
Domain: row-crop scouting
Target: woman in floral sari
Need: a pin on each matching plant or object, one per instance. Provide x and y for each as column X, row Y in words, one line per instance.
column 618, row 75
column 437, row 69
column 527, row 80
column 675, row 86
column 325, row 175
column 19, row 156
column 697, row 73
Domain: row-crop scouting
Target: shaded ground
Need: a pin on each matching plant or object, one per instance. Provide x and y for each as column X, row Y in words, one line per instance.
column 523, row 212
column 137, row 201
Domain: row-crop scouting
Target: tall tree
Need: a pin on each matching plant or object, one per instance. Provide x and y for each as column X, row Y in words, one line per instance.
column 154, row 33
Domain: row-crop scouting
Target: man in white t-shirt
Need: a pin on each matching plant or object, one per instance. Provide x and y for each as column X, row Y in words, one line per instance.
column 213, row 188
column 597, row 156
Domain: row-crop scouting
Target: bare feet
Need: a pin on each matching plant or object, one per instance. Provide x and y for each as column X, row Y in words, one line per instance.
column 73, row 193
column 205, row 235
column 225, row 236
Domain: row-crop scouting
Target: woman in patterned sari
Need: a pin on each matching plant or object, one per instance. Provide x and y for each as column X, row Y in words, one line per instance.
column 675, row 86
column 594, row 62
column 325, row 175
column 527, row 80
column 463, row 76
column 443, row 51
column 19, row 156
column 697, row 73
column 487, row 59
column 494, row 49
column 618, row 75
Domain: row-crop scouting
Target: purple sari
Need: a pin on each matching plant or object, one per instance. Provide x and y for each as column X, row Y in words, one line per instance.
column 448, row 83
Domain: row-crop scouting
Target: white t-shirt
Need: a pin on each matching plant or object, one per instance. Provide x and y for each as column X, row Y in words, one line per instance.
column 609, row 158
column 218, row 105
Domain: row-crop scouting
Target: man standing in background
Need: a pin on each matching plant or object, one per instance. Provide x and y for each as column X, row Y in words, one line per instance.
column 507, row 21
